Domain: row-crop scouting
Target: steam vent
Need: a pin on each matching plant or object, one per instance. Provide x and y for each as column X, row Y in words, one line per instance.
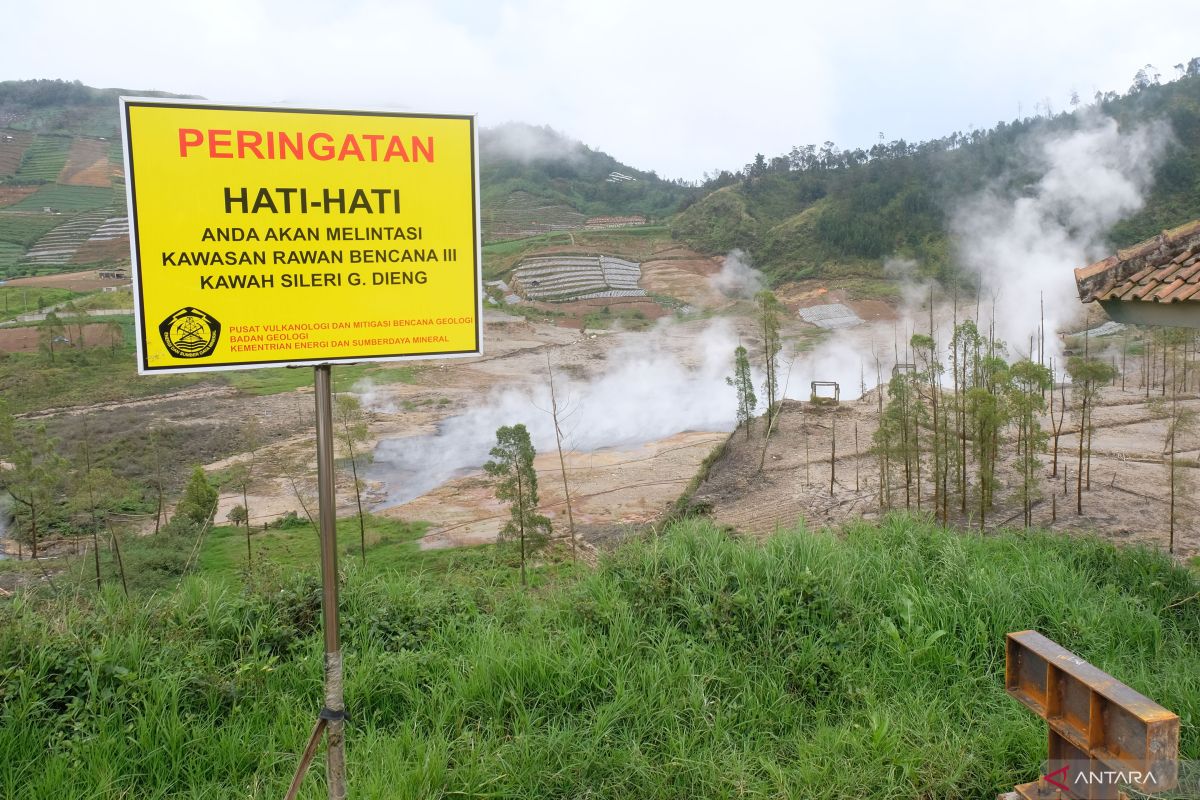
column 562, row 278
column 1156, row 282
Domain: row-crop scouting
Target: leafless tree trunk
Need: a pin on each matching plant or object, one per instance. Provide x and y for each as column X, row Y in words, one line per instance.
column 562, row 464
column 856, row 458
column 832, row 451
column 120, row 562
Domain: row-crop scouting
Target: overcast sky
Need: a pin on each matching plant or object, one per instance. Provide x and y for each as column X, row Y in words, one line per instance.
column 678, row 87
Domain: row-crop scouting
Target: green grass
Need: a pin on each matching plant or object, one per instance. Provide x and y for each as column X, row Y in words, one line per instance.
column 82, row 377
column 18, row 300
column 866, row 665
column 156, row 562
column 122, row 298
column 66, row 198
column 277, row 379
column 25, row 229
column 43, row 159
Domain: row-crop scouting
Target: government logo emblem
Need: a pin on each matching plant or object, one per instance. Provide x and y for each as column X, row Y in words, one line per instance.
column 190, row 333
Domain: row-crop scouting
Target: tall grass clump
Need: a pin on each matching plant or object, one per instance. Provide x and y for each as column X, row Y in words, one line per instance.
column 863, row 664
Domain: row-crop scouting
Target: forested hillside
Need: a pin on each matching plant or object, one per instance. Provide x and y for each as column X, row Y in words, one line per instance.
column 63, row 107
column 823, row 211
column 537, row 161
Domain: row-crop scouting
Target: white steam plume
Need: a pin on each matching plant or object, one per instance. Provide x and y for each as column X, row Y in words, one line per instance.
column 1026, row 246
column 647, row 394
column 737, row 277
column 371, row 397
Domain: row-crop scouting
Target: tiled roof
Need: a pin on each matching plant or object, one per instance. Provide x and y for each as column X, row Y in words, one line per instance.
column 1165, row 269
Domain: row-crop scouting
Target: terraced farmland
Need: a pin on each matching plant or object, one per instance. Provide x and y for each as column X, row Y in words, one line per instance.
column 10, row 255
column 68, row 199
column 60, row 245
column 109, row 243
column 43, row 159
column 116, row 160
column 87, row 164
column 12, row 149
column 14, row 194
column 562, row 278
column 80, row 179
column 25, row 229
column 522, row 214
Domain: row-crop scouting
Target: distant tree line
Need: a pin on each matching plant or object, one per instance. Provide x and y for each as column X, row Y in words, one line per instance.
column 46, row 93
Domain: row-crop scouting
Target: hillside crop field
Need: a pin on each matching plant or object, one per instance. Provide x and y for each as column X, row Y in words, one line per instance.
column 15, row 301
column 66, row 198
column 87, row 164
column 43, row 159
column 25, row 229
column 12, row 149
column 863, row 664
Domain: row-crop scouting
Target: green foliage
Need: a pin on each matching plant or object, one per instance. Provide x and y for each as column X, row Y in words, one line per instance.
column 237, row 515
column 683, row 666
column 768, row 310
column 897, row 437
column 199, row 502
column 742, row 381
column 516, row 483
column 1029, row 383
column 718, row 223
column 33, row 474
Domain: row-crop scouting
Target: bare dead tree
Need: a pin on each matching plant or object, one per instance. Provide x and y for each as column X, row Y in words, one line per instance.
column 832, row 450
column 773, row 418
column 1056, row 426
column 562, row 464
column 856, row 458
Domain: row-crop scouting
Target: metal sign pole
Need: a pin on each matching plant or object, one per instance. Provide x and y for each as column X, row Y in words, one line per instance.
column 335, row 710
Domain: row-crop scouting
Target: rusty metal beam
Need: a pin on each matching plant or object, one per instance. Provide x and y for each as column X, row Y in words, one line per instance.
column 1092, row 717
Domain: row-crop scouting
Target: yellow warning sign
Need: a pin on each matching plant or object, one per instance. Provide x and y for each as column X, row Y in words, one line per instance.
column 275, row 236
